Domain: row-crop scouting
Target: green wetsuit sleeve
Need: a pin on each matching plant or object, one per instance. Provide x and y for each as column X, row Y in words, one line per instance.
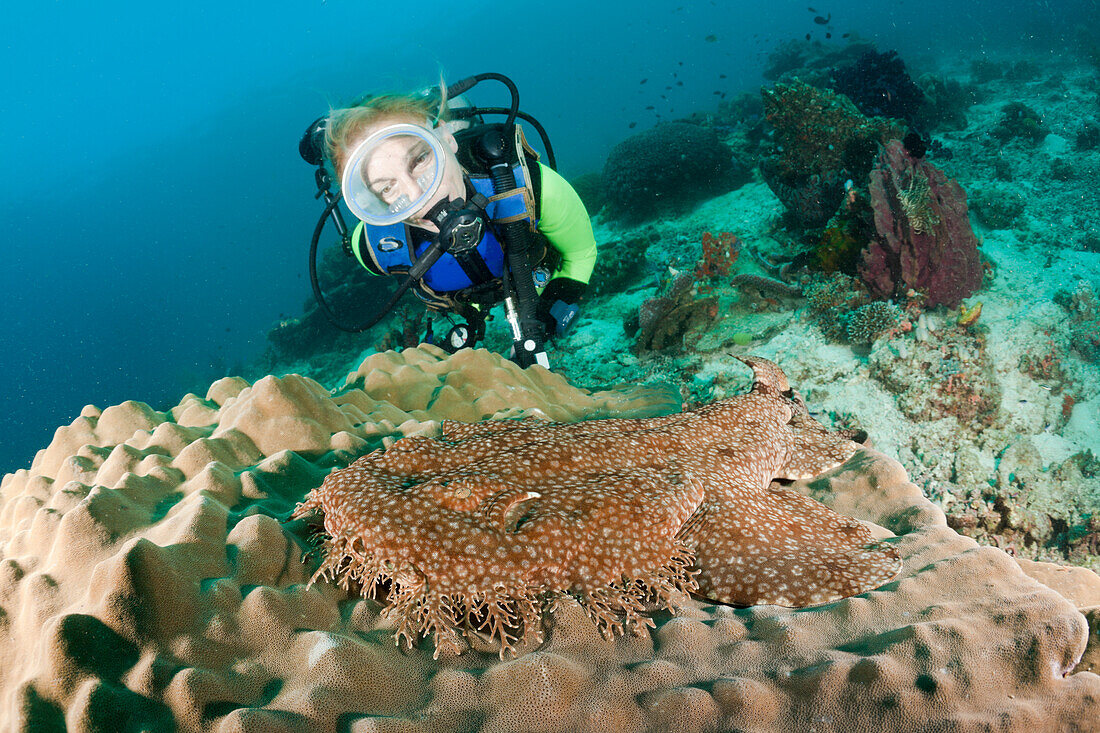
column 564, row 221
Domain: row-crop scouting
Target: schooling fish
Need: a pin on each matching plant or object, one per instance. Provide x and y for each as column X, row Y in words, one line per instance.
column 643, row 81
column 823, row 21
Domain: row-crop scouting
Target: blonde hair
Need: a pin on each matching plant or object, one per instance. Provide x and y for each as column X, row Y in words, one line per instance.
column 346, row 127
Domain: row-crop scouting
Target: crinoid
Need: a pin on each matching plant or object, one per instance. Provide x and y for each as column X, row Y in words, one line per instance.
column 916, row 203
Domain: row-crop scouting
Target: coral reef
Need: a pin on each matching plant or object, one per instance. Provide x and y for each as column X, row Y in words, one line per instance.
column 1084, row 309
column 483, row 529
column 924, row 236
column 1006, row 507
column 719, row 255
column 1019, row 122
column 1088, row 135
column 997, row 206
column 832, row 298
column 622, row 261
column 666, row 170
column 946, row 102
column 663, row 320
column 878, row 84
column 809, row 200
column 867, row 322
column 984, row 70
column 146, row 580
column 845, row 236
column 945, row 372
column 820, row 139
column 810, row 61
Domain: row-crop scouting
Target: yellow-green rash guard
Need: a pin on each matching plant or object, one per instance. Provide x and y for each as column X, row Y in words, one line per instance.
column 564, row 221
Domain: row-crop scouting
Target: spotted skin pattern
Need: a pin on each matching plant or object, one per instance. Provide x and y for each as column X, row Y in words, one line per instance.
column 480, row 530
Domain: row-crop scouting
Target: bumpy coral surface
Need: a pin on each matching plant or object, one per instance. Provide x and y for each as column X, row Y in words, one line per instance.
column 147, row 582
column 472, row 532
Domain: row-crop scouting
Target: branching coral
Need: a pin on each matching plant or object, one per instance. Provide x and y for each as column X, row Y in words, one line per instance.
column 868, row 322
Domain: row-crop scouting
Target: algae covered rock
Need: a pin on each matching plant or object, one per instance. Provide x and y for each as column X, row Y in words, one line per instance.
column 666, row 170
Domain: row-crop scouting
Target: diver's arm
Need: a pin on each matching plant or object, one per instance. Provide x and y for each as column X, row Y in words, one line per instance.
column 564, row 221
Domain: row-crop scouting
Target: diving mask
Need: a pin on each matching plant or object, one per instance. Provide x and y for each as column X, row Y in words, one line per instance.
column 393, row 173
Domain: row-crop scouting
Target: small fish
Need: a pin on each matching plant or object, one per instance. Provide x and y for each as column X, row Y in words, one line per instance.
column 823, row 21
column 679, row 83
column 651, row 107
column 721, row 76
column 643, row 81
column 807, row 36
column 667, row 89
column 711, row 38
column 717, row 92
column 663, row 96
column 681, row 63
column 723, row 95
column 632, row 125
column 846, row 35
column 812, row 10
column 828, row 35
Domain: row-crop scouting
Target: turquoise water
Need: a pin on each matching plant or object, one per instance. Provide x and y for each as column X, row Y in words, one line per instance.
column 155, row 210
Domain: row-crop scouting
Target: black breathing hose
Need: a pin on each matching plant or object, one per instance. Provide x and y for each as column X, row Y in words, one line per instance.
column 333, row 318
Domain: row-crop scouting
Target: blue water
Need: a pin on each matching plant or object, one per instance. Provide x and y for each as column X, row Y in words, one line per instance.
column 156, row 214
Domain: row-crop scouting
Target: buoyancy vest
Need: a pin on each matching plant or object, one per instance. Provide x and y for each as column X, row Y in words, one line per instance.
column 393, row 248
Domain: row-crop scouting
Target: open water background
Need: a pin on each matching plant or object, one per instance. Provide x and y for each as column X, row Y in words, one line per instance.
column 155, row 213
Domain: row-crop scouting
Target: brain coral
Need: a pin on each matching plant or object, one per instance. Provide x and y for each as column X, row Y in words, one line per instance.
column 667, row 169
column 147, row 582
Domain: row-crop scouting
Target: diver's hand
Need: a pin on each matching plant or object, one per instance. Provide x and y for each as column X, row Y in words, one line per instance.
column 558, row 305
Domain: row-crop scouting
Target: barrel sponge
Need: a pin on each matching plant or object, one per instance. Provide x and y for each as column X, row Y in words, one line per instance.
column 666, row 170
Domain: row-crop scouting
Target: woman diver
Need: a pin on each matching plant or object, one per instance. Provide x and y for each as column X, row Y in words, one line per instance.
column 464, row 211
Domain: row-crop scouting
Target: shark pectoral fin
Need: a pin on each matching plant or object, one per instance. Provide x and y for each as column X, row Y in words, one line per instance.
column 815, row 449
column 778, row 547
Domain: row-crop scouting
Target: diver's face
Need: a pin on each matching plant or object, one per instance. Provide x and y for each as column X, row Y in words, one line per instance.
column 403, row 165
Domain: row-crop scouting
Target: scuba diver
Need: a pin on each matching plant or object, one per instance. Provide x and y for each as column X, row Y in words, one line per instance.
column 460, row 208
